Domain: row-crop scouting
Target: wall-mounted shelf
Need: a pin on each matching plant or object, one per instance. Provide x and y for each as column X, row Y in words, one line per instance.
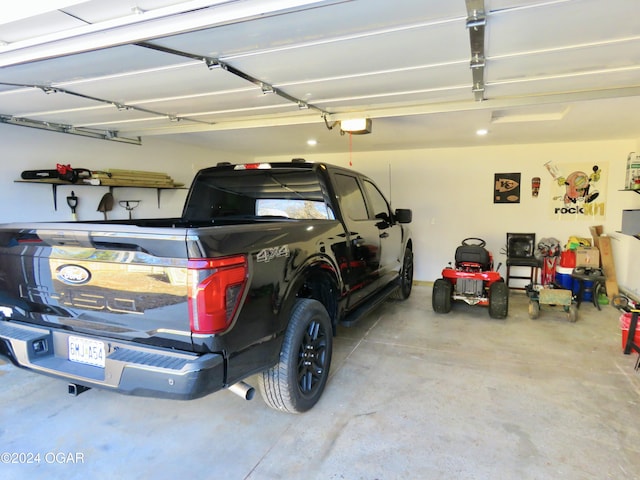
column 55, row 183
column 630, row 190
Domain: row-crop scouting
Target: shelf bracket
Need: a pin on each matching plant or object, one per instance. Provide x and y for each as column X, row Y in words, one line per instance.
column 54, row 187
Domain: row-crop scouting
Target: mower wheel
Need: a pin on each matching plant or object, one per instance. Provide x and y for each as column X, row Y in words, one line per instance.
column 534, row 309
column 498, row 300
column 441, row 296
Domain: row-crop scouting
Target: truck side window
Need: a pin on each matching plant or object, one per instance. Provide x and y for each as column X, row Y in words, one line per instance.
column 352, row 199
column 378, row 202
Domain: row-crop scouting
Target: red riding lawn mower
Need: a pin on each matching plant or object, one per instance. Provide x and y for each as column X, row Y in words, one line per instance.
column 473, row 281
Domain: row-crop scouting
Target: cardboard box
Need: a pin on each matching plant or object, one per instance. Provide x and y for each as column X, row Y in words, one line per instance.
column 588, row 257
column 596, row 231
column 632, row 179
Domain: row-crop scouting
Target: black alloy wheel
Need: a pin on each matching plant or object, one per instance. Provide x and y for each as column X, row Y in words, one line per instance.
column 406, row 276
column 296, row 383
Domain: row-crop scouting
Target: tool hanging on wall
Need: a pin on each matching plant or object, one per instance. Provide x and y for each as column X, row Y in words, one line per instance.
column 106, row 204
column 129, row 205
column 72, row 201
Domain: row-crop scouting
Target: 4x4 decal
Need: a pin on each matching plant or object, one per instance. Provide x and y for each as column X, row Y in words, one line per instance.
column 268, row 254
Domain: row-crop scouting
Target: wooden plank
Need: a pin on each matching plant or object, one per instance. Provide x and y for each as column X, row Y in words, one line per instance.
column 135, row 183
column 555, row 296
column 136, row 173
column 608, row 267
column 596, row 231
column 137, row 177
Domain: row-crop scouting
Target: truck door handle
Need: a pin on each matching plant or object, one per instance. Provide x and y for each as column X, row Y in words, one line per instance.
column 384, row 235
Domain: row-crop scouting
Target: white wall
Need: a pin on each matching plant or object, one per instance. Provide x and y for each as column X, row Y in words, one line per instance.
column 451, row 194
column 31, row 149
column 449, row 190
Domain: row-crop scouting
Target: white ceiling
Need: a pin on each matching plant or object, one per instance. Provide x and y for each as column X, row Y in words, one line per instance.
column 563, row 70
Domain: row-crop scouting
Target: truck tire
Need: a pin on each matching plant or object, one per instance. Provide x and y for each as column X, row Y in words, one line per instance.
column 406, row 276
column 441, row 296
column 296, row 382
column 498, row 300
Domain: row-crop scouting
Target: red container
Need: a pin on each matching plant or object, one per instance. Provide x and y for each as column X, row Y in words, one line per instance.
column 568, row 259
column 625, row 321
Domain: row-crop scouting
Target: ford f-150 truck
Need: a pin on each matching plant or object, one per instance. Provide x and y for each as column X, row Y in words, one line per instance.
column 254, row 278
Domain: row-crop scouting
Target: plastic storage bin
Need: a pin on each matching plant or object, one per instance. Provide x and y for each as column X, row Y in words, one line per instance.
column 566, row 281
column 564, row 278
column 625, row 321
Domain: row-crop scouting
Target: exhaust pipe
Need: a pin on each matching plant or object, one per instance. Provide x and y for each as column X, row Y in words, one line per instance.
column 243, row 390
column 75, row 389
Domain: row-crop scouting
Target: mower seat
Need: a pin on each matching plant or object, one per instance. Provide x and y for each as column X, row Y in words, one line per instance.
column 473, row 254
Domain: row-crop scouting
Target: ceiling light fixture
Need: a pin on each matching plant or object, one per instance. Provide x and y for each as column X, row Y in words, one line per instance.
column 482, row 132
column 312, row 142
column 356, row 126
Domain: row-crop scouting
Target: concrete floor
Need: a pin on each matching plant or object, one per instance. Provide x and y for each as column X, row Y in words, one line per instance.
column 413, row 395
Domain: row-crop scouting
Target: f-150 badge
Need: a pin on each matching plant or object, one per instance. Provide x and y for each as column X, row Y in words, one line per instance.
column 268, row 254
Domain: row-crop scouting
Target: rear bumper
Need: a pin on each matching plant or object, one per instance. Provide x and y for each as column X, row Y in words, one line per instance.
column 129, row 368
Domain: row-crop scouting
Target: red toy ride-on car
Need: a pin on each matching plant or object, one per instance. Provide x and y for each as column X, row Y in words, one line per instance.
column 473, row 281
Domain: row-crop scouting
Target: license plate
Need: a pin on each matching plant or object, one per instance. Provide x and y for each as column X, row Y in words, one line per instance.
column 87, row 351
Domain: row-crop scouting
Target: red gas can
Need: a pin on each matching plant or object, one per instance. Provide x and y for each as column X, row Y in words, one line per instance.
column 568, row 259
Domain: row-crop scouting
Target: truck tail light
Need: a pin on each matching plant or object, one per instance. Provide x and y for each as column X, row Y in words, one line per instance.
column 215, row 287
column 253, row 166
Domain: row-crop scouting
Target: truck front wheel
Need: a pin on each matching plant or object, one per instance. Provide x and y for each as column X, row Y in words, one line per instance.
column 406, row 276
column 296, row 382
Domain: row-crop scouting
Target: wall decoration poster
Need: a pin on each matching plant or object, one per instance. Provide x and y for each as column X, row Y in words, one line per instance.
column 506, row 188
column 578, row 190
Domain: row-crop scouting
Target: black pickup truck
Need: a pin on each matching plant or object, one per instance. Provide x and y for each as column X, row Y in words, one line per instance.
column 265, row 262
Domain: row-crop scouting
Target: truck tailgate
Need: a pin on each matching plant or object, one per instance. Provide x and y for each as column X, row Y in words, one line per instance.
column 103, row 305
column 114, row 281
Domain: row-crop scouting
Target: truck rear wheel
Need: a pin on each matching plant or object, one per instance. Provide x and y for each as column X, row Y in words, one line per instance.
column 296, row 383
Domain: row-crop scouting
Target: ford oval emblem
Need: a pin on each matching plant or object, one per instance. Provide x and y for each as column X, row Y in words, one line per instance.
column 73, row 274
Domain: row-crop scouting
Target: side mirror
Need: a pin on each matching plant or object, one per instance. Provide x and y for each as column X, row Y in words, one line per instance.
column 403, row 215
column 384, row 222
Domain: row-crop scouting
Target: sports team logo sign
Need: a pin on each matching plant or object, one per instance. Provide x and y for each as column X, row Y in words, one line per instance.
column 506, row 188
column 579, row 191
